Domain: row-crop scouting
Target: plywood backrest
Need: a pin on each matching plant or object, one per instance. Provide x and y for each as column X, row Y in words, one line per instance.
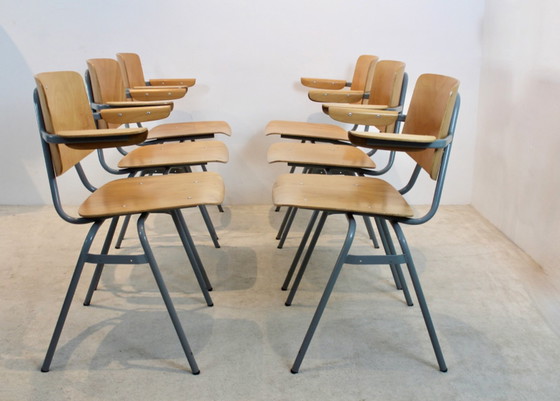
column 387, row 83
column 65, row 107
column 107, row 83
column 131, row 68
column 363, row 72
column 429, row 113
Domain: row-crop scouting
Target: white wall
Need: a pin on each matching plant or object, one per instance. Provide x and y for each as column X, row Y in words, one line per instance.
column 247, row 56
column 517, row 175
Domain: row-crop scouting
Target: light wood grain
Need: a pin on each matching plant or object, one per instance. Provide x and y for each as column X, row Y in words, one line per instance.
column 185, row 82
column 336, row 96
column 370, row 196
column 130, row 115
column 149, row 93
column 319, row 155
column 323, row 83
column 154, row 193
column 176, row 154
column 305, row 130
column 358, row 116
column 191, row 128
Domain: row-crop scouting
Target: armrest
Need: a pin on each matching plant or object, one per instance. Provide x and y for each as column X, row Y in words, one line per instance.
column 97, row 138
column 326, row 106
column 155, row 93
column 360, row 116
column 398, row 142
column 322, row 83
column 187, row 82
column 336, row 96
column 135, row 114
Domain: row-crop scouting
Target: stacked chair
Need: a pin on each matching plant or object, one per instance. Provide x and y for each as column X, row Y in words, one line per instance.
column 426, row 137
column 323, row 147
column 175, row 152
column 71, row 128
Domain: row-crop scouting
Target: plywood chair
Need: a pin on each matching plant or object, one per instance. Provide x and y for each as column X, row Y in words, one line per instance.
column 106, row 90
column 427, row 137
column 68, row 135
column 361, row 78
column 133, row 75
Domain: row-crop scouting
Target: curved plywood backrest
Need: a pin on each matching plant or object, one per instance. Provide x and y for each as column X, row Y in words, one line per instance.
column 429, row 113
column 387, row 83
column 107, row 83
column 65, row 107
column 363, row 72
column 131, row 69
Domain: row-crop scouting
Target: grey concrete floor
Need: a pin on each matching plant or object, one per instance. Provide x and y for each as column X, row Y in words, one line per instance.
column 495, row 310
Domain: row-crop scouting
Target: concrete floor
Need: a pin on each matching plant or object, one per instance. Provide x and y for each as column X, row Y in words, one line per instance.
column 495, row 310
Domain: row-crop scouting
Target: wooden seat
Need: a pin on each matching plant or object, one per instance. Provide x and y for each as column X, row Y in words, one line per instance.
column 427, row 137
column 316, row 155
column 68, row 135
column 108, row 89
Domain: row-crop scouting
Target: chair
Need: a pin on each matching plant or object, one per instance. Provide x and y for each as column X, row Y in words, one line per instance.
column 427, row 137
column 133, row 76
column 106, row 90
column 388, row 89
column 68, row 135
column 361, row 79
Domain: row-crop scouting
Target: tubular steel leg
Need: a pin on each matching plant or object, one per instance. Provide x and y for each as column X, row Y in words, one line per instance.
column 286, row 225
column 99, row 268
column 193, row 260
column 122, row 233
column 209, row 225
column 69, row 295
column 188, row 237
column 398, row 275
column 300, row 250
column 371, row 233
column 306, row 258
column 326, row 294
column 420, row 296
column 165, row 295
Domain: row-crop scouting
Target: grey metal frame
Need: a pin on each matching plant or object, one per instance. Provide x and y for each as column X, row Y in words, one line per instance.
column 391, row 256
column 103, row 258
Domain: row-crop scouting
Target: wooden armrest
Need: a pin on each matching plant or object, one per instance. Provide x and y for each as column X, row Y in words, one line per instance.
column 336, row 96
column 186, row 82
column 322, row 83
column 399, row 142
column 98, row 138
column 139, row 103
column 326, row 106
column 135, row 114
column 379, row 118
column 151, row 93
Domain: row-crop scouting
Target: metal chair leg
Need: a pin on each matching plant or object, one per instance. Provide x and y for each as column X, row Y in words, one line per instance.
column 70, row 295
column 196, row 264
column 420, row 296
column 165, row 295
column 301, row 247
column 99, row 268
column 398, row 275
column 306, row 258
column 286, row 225
column 209, row 225
column 326, row 294
column 122, row 233
column 371, row 232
